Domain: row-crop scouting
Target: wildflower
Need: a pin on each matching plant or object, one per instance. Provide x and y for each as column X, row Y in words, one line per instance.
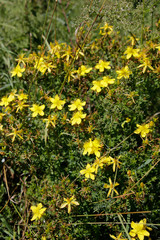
column 88, row 171
column 90, row 128
column 1, row 127
column 118, row 237
column 131, row 95
column 107, row 160
column 115, row 163
column 15, row 133
column 78, row 53
column 106, row 29
column 106, row 81
column 57, row 102
column 36, row 109
column 124, row 72
column 11, row 96
column 82, row 70
column 77, row 104
column 20, row 105
column 111, row 187
column 17, row 71
column 4, row 101
column 68, row 53
column 98, row 163
column 139, row 230
column 43, row 238
column 92, row 147
column 21, row 58
column 50, row 120
column 43, row 66
column 96, row 86
column 146, row 63
column 131, row 52
column 22, row 96
column 70, row 73
column 96, row 146
column 37, row 211
column 87, row 147
column 143, row 130
column 144, row 220
column 102, row 65
column 68, row 202
column 55, row 49
column 133, row 40
column 77, row 117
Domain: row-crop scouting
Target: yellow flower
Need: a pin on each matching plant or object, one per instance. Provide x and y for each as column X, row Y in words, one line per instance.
column 50, row 120
column 98, row 163
column 111, row 187
column 68, row 53
column 102, row 65
column 57, row 102
column 21, row 58
column 43, row 238
column 1, row 127
column 43, row 66
column 92, row 147
column 88, row 171
column 4, row 101
column 36, row 109
column 131, row 52
column 107, row 160
column 77, row 117
column 106, row 81
column 143, row 130
column 68, row 202
column 115, row 163
column 124, row 72
column 20, row 105
column 17, row 71
column 146, row 63
column 87, row 147
column 96, row 86
column 22, row 96
column 55, row 49
column 15, row 133
column 118, row 237
column 138, row 230
column 82, row 70
column 77, row 104
column 37, row 211
column 96, row 146
column 133, row 40
column 11, row 96
column 132, row 95
column 106, row 29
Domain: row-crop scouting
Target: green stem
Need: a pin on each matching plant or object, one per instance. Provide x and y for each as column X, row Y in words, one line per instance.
column 120, row 219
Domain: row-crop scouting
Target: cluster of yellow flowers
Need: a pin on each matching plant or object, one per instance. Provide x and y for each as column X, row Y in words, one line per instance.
column 19, row 101
column 47, row 64
column 138, row 229
column 39, row 210
column 90, row 171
